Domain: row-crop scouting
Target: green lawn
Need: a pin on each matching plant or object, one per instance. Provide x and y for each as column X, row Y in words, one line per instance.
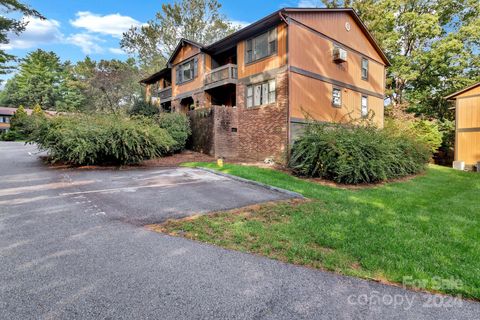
column 427, row 228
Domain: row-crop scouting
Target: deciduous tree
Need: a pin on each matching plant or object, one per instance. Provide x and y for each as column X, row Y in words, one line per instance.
column 197, row 20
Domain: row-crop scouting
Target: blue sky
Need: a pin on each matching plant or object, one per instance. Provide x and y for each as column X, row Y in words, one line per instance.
column 76, row 28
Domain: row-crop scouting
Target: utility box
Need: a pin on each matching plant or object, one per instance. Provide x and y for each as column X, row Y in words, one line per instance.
column 339, row 55
column 459, row 165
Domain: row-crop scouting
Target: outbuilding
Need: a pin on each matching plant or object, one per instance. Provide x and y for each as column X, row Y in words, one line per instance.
column 467, row 124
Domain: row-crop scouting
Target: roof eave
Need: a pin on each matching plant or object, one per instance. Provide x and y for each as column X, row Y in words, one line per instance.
column 179, row 45
column 453, row 95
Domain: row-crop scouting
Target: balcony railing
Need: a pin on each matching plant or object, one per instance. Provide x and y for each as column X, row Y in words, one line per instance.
column 164, row 93
column 222, row 75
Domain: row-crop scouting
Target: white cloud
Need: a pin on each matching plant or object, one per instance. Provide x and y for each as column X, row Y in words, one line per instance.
column 37, row 32
column 87, row 42
column 240, row 23
column 111, row 24
column 116, row 51
column 309, row 4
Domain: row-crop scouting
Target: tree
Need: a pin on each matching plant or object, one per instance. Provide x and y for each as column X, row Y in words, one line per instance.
column 433, row 46
column 44, row 80
column 108, row 85
column 11, row 25
column 197, row 20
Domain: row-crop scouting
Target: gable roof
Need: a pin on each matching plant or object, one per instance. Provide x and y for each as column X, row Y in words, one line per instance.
column 278, row 16
column 8, row 111
column 180, row 44
column 154, row 77
column 269, row 21
column 453, row 95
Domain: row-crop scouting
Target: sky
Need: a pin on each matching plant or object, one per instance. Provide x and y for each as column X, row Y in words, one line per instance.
column 77, row 28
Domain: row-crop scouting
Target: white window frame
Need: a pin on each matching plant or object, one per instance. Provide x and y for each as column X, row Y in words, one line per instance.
column 262, row 93
column 364, row 68
column 334, row 98
column 364, row 106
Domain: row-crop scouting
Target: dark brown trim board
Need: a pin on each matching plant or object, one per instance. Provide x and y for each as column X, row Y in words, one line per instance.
column 477, row 129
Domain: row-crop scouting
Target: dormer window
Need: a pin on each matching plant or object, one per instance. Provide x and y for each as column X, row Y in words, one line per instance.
column 261, row 46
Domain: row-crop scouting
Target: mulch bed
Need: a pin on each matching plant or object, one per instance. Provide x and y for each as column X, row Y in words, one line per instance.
column 177, row 159
column 168, row 161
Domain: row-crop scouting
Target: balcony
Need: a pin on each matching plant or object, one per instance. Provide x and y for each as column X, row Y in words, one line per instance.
column 164, row 94
column 220, row 76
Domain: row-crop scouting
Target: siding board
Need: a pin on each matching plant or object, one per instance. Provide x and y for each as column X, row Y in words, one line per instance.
column 273, row 62
column 467, row 146
column 313, row 98
column 332, row 24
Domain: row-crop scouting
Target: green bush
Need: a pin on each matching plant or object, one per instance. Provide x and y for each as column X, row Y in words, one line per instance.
column 356, row 154
column 102, row 139
column 423, row 131
column 177, row 125
column 11, row 135
column 22, row 125
column 143, row 108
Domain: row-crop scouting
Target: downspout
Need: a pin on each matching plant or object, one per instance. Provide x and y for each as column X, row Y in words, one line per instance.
column 287, row 151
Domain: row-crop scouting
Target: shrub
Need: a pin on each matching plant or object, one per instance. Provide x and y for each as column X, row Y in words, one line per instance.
column 102, row 139
column 355, row 154
column 143, row 108
column 22, row 125
column 423, row 131
column 177, row 125
column 11, row 135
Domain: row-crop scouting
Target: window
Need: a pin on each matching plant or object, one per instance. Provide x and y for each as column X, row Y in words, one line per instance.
column 364, row 69
column 337, row 97
column 261, row 46
column 261, row 93
column 187, row 71
column 2, row 120
column 7, row 119
column 364, row 106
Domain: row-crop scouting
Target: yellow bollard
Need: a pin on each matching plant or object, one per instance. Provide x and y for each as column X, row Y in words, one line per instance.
column 220, row 162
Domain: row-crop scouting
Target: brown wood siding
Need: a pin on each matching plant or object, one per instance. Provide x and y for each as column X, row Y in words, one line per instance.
column 269, row 63
column 318, row 59
column 468, row 113
column 185, row 52
column 468, row 147
column 332, row 24
column 468, row 118
column 148, row 91
column 313, row 98
column 208, row 63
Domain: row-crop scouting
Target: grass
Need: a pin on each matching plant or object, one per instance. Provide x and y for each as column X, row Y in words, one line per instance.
column 427, row 228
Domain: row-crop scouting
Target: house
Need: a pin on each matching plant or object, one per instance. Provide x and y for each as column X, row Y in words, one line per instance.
column 467, row 124
column 6, row 114
column 269, row 77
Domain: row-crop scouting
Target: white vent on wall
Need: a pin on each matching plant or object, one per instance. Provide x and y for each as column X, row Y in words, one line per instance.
column 339, row 55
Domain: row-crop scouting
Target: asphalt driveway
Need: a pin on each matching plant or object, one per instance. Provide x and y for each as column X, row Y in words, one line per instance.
column 72, row 246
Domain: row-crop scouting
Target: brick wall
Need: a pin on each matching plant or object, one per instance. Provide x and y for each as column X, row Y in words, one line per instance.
column 262, row 131
column 214, row 131
column 226, row 132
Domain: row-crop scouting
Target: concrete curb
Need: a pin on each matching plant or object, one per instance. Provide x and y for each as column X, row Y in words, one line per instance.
column 263, row 185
